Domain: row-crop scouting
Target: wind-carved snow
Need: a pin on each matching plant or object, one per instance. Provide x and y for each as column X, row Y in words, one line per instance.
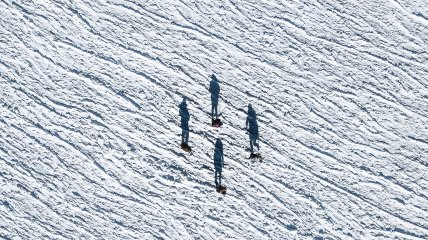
column 91, row 129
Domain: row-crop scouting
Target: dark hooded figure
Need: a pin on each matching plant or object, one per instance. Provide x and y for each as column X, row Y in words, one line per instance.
column 252, row 127
column 184, row 114
column 215, row 91
column 218, row 161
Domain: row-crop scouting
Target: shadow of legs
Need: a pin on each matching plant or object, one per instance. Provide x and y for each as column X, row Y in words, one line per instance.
column 217, row 178
column 214, row 113
column 184, row 137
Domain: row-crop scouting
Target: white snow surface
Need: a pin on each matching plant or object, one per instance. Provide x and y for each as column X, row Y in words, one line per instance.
column 90, row 125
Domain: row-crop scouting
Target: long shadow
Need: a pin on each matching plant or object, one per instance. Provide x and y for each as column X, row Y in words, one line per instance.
column 185, row 116
column 252, row 128
column 218, row 161
column 215, row 92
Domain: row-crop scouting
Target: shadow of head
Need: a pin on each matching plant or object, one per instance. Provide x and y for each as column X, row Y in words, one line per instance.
column 184, row 112
column 251, row 117
column 251, row 110
column 214, row 86
column 183, row 104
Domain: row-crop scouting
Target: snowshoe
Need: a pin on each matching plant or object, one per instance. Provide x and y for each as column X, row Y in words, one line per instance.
column 186, row 147
column 216, row 123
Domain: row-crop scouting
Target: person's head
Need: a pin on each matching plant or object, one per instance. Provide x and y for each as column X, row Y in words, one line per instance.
column 213, row 77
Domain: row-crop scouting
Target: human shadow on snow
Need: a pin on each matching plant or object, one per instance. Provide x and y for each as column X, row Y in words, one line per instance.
column 215, row 92
column 252, row 128
column 185, row 116
column 218, row 161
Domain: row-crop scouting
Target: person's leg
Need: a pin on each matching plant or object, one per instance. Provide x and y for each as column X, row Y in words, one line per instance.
column 256, row 143
column 212, row 110
column 183, row 137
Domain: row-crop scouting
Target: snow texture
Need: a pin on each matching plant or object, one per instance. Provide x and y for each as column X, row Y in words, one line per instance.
column 92, row 116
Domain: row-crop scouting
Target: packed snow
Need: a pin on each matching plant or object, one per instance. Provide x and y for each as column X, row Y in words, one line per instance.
column 97, row 96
